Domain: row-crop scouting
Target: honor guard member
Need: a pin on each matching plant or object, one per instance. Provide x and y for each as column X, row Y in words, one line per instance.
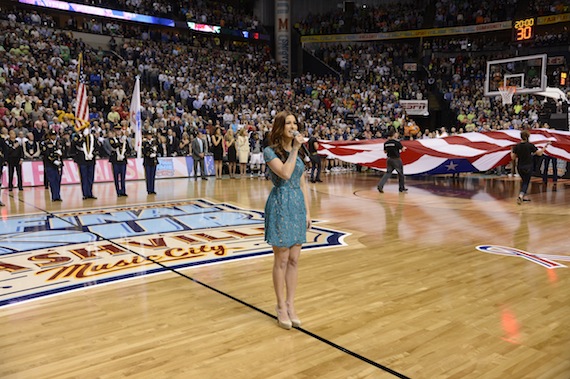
column 150, row 160
column 2, row 162
column 14, row 157
column 52, row 154
column 85, row 146
column 119, row 153
column 44, row 158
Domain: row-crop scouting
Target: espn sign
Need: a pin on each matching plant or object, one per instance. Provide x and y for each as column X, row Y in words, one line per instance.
column 415, row 107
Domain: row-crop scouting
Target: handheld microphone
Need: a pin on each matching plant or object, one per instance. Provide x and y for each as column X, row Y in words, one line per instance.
column 307, row 155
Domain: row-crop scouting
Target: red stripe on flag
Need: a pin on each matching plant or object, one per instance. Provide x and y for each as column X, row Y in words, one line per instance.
column 489, row 155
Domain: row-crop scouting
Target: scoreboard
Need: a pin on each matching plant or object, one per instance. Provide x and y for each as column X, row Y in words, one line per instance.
column 523, row 30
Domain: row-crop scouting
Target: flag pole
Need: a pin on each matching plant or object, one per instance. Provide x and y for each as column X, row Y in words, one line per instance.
column 82, row 102
column 135, row 116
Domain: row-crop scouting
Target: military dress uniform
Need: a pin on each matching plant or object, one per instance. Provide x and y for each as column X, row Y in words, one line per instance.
column 150, row 161
column 85, row 147
column 14, row 157
column 52, row 155
column 120, row 151
column 44, row 160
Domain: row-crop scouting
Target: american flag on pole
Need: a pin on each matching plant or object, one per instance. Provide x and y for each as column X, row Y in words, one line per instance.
column 135, row 117
column 81, row 101
column 468, row 152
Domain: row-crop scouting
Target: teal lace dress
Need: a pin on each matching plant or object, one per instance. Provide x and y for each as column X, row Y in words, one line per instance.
column 285, row 213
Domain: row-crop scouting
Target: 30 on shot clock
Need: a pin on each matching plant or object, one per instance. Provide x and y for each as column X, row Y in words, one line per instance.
column 523, row 30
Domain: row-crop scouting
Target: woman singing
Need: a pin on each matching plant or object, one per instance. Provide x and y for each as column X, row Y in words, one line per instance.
column 286, row 212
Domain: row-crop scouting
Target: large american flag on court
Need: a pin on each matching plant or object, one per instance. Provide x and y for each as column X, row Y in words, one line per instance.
column 468, row 152
column 81, row 101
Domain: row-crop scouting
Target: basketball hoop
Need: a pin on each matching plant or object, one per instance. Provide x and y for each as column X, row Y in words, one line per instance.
column 507, row 93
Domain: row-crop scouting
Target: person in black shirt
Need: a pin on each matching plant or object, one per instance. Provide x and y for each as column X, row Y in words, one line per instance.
column 392, row 148
column 315, row 157
column 31, row 148
column 547, row 159
column 523, row 153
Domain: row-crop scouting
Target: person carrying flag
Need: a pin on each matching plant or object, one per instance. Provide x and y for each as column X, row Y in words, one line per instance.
column 84, row 143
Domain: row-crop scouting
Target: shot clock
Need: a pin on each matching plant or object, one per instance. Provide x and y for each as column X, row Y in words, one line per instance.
column 523, row 30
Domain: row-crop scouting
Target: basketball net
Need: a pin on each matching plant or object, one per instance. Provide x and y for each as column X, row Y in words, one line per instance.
column 507, row 93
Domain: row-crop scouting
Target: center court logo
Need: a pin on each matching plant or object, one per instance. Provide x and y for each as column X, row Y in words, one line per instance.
column 46, row 254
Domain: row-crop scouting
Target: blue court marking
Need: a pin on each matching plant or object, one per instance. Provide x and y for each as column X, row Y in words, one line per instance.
column 45, row 239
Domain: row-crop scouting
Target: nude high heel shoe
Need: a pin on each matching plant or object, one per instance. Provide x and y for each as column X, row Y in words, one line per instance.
column 282, row 322
column 294, row 320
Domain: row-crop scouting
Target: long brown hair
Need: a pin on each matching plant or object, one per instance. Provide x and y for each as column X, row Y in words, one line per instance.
column 276, row 135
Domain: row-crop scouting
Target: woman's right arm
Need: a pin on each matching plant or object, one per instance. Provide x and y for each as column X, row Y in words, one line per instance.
column 284, row 170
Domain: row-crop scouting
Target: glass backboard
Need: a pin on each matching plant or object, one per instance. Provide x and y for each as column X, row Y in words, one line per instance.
column 527, row 74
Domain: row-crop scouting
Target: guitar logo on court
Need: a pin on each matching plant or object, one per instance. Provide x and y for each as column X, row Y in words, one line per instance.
column 46, row 254
column 544, row 260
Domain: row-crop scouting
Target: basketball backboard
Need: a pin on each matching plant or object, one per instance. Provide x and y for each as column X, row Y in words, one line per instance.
column 527, row 74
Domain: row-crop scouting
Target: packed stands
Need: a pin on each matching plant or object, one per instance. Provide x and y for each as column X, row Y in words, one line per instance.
column 209, row 82
column 380, row 18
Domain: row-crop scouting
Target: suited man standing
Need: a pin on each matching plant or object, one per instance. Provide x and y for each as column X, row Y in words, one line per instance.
column 171, row 143
column 150, row 160
column 85, row 146
column 120, row 150
column 198, row 154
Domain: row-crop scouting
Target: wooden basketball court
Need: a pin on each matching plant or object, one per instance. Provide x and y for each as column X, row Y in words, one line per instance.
column 409, row 295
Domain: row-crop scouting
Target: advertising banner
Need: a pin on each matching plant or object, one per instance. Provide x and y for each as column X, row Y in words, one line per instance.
column 174, row 167
column 97, row 11
column 436, row 32
column 415, row 107
column 283, row 33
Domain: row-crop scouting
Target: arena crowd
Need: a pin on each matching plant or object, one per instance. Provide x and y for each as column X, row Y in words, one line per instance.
column 210, row 84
